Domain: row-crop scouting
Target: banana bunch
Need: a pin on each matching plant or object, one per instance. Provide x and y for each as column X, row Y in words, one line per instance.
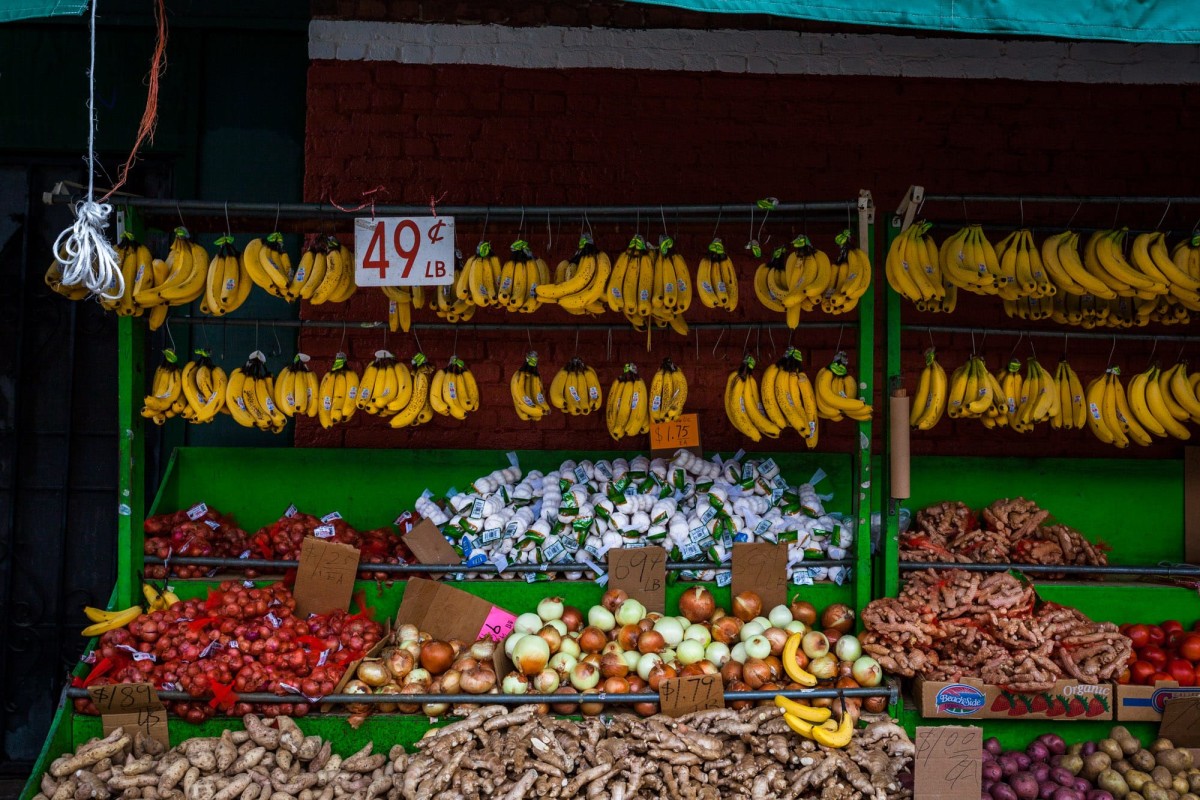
column 580, row 281
column 203, row 385
column 1070, row 399
column 386, row 386
column 1021, row 265
column 968, row 261
column 817, row 724
column 850, row 279
column 166, row 398
column 1160, row 402
column 187, row 273
column 53, row 279
column 419, row 408
column 525, row 386
column 337, row 393
column 156, row 600
column 520, row 276
column 929, row 404
column 770, row 282
column 453, row 391
column 627, row 412
column 973, row 391
column 668, row 392
column 575, row 389
column 716, row 278
column 401, row 302
column 478, row 283
column 914, row 270
column 632, row 281
column 105, row 621
column 788, row 396
column 333, row 284
column 227, row 284
column 447, row 303
column 1040, row 401
column 250, row 396
column 135, row 262
column 837, row 392
column 744, row 405
column 296, row 388
column 269, row 265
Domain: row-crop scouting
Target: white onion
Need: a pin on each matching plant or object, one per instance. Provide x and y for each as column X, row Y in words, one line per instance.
column 698, row 633
column 631, row 612
column 528, row 623
column 751, row 629
column 550, row 608
column 780, row 616
column 717, row 653
column 600, row 617
column 691, row 651
column 671, row 630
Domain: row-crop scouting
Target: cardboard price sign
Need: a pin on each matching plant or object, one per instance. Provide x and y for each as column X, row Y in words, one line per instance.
column 642, row 573
column 325, row 577
column 679, row 696
column 429, row 546
column 1181, row 721
column 132, row 706
column 949, row 762
column 404, row 251
column 667, row 437
column 761, row 568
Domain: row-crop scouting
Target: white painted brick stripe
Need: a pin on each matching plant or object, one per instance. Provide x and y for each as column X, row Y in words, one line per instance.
column 756, row 52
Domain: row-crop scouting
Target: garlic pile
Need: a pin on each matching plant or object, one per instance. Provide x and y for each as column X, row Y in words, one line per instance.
column 693, row 507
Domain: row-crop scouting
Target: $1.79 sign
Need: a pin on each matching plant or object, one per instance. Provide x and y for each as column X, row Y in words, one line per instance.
column 404, row 251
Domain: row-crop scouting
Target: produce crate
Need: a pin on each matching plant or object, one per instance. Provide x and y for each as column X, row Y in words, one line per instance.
column 970, row 699
column 1145, row 703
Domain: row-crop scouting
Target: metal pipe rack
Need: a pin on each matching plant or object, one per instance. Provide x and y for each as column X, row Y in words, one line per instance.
column 1051, row 334
column 1161, row 570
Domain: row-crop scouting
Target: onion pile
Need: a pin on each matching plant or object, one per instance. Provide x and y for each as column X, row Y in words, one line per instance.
column 211, row 534
column 240, row 639
column 618, row 647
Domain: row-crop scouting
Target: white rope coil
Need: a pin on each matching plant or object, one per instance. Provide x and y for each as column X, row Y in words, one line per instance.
column 85, row 255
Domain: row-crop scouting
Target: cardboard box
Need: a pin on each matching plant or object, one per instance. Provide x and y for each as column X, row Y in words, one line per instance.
column 1146, row 703
column 971, row 698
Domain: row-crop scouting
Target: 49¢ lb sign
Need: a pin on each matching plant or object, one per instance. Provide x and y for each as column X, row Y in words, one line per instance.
column 404, row 251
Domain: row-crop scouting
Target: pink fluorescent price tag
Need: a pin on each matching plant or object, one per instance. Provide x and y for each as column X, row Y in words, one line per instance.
column 499, row 624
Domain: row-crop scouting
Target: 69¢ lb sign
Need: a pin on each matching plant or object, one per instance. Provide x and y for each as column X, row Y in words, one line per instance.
column 404, row 251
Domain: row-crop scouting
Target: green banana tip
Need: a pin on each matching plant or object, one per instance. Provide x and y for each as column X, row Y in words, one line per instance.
column 182, row 232
column 170, row 356
column 519, row 245
column 484, row 249
column 767, row 203
column 843, row 238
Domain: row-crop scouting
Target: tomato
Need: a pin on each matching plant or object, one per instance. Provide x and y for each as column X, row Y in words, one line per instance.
column 1139, row 635
column 1173, row 639
column 1154, row 654
column 1159, row 676
column 1140, row 672
column 1171, row 625
column 1189, row 647
column 1156, row 634
column 1181, row 671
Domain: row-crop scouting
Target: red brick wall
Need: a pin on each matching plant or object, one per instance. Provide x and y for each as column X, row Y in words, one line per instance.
column 493, row 136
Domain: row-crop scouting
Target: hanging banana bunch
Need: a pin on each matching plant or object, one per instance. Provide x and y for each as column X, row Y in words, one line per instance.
column 187, row 270
column 631, row 282
column 575, row 389
column 203, row 384
column 338, row 393
column 968, row 261
column 520, row 276
column 788, row 398
column 668, row 392
column 449, row 302
column 382, row 384
column 744, row 405
column 716, row 278
column 627, row 412
column 310, row 272
column 1040, row 401
column 671, row 289
column 975, row 394
column 525, row 386
column 929, row 404
column 913, row 268
column 269, row 266
column 1160, row 403
column 227, row 284
column 851, row 277
column 166, row 391
column 770, row 280
column 585, row 277
column 480, row 275
column 296, row 389
column 134, row 260
column 453, row 391
column 837, row 392
column 401, row 302
column 337, row 283
column 417, row 408
column 53, row 279
column 1070, row 399
column 250, row 396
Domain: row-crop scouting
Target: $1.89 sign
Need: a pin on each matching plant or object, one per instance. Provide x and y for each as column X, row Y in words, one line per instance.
column 404, row 251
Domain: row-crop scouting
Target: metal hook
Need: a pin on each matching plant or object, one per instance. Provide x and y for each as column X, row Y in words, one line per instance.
column 1033, row 349
column 487, row 212
column 972, row 343
column 1116, row 214
column 226, row 217
column 717, row 343
column 278, row 347
column 608, row 347
column 1066, row 341
column 930, row 332
column 841, row 330
column 966, row 216
column 1020, row 336
column 180, row 213
column 1154, row 347
column 417, row 339
column 662, row 212
column 588, row 222
column 1021, row 203
column 771, row 337
column 1072, row 219
column 454, row 345
column 276, row 218
column 746, row 344
column 549, row 236
column 521, row 224
column 170, row 336
column 1164, row 216
column 720, row 213
column 1112, row 351
column 576, row 353
column 529, row 336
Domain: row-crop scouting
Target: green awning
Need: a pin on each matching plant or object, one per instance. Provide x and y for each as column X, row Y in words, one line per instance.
column 27, row 9
column 1161, row 21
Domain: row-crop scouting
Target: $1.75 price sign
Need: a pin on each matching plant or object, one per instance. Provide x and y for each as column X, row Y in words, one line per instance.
column 404, row 251
column 667, row 437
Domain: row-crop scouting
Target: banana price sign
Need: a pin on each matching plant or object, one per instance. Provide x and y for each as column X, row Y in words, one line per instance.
column 404, row 251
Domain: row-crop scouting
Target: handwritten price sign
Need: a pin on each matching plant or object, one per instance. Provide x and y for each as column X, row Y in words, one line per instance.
column 404, row 251
column 761, row 568
column 132, row 706
column 642, row 573
column 667, row 437
column 679, row 696
column 949, row 762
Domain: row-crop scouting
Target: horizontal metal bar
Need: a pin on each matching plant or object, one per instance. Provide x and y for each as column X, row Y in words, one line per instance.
column 439, row 569
column 1053, row 334
column 517, row 327
column 1097, row 200
column 883, row 690
column 473, row 213
column 1161, row 570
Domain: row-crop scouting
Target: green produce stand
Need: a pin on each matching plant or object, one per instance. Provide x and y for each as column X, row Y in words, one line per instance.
column 370, row 488
column 1133, row 506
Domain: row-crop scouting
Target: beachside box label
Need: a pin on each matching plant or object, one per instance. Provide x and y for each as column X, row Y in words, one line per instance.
column 959, row 699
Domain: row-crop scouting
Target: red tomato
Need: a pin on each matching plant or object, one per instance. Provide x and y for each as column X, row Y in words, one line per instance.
column 1171, row 625
column 1173, row 639
column 1155, row 655
column 1140, row 672
column 1157, row 635
column 1159, row 676
column 1139, row 635
column 1189, row 647
column 1181, row 671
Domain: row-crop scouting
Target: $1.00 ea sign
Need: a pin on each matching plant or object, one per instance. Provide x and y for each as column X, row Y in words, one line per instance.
column 404, row 251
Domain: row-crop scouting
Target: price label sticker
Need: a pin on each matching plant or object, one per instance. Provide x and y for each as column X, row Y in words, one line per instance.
column 331, row 516
column 132, row 706
column 324, row 531
column 679, row 696
column 690, row 551
column 212, row 523
column 477, row 508
column 708, row 514
column 949, row 762
column 490, row 535
column 510, row 530
column 727, row 540
column 768, row 468
column 404, row 251
column 555, row 550
column 724, row 578
column 642, row 573
column 667, row 437
column 501, row 562
column 197, row 511
column 801, row 577
column 291, row 511
column 762, row 569
column 698, row 534
column 580, row 474
column 604, row 471
column 499, row 624
column 747, row 472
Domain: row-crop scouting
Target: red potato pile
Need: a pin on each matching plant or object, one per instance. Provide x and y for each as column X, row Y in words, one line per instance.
column 238, row 640
column 1164, row 652
column 214, row 534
